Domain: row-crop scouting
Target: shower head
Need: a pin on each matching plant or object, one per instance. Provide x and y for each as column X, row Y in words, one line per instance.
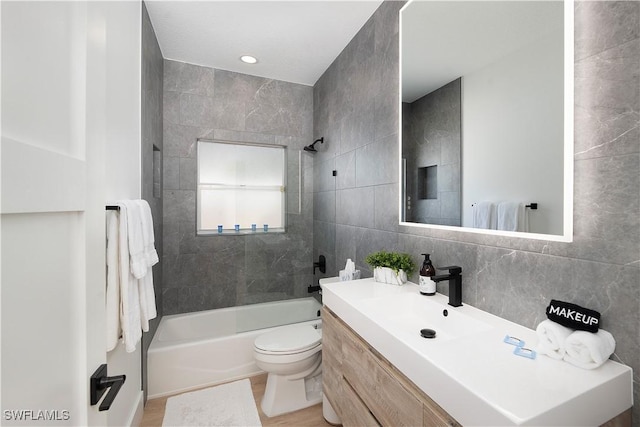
column 311, row 147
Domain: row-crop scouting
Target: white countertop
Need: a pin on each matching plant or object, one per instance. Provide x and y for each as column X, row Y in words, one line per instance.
column 476, row 377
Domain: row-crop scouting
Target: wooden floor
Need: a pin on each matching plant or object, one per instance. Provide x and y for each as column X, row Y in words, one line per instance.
column 309, row 417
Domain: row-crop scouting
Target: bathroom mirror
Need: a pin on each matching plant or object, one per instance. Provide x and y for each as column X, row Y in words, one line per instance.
column 486, row 94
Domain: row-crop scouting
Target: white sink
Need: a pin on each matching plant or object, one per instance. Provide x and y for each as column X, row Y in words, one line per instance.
column 413, row 312
column 468, row 369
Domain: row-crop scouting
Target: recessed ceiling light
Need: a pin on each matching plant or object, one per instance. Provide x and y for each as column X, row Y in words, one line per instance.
column 248, row 59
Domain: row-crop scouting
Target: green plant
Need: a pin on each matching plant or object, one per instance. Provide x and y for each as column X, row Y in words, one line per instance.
column 393, row 260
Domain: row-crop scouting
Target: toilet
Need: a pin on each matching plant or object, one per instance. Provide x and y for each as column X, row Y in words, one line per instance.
column 292, row 358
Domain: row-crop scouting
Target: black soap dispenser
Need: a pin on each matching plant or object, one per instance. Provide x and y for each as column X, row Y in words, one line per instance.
column 427, row 286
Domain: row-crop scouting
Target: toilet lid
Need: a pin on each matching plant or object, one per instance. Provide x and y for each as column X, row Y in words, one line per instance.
column 289, row 339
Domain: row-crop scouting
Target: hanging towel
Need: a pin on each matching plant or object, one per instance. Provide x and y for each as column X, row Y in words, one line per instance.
column 129, row 293
column 147, row 233
column 483, row 215
column 145, row 285
column 551, row 339
column 147, row 297
column 131, row 255
column 132, row 215
column 511, row 217
column 589, row 350
column 113, row 281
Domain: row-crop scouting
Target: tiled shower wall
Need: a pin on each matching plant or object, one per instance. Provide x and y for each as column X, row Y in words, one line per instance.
column 356, row 212
column 151, row 84
column 205, row 272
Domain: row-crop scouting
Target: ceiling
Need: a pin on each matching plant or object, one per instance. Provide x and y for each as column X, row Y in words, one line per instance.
column 294, row 40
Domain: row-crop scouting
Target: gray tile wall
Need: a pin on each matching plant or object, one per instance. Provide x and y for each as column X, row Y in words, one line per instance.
column 356, row 109
column 432, row 132
column 152, row 75
column 206, row 272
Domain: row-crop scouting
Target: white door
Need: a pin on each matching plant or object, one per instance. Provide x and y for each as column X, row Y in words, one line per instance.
column 52, row 205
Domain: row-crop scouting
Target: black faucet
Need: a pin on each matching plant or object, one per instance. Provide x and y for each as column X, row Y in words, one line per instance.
column 455, row 283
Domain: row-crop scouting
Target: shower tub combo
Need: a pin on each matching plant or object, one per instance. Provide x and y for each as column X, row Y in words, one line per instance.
column 195, row 350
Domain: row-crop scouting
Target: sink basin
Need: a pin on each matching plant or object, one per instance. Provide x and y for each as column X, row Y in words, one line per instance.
column 414, row 312
column 467, row 369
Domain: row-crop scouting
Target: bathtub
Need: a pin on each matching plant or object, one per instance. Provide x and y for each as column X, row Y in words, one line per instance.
column 210, row 347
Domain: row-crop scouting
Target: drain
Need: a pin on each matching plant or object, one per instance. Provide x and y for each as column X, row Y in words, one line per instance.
column 427, row 333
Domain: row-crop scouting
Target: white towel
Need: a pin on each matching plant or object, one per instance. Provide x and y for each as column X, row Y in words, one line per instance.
column 147, row 298
column 512, row 216
column 589, row 350
column 113, row 280
column 483, row 215
column 147, row 233
column 136, row 242
column 145, row 285
column 551, row 338
column 131, row 254
column 129, row 293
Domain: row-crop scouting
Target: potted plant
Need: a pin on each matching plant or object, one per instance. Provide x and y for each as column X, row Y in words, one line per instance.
column 390, row 267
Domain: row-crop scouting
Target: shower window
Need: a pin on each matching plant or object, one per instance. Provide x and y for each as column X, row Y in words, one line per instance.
column 241, row 188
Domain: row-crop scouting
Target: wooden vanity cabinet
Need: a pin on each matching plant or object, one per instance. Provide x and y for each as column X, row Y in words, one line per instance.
column 365, row 389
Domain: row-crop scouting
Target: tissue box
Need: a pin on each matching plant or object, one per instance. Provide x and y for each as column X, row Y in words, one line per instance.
column 349, row 275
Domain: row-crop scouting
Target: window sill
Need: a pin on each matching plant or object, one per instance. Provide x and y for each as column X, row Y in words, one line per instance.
column 246, row 232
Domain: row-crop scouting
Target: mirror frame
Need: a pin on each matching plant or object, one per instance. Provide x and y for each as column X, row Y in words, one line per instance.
column 567, row 227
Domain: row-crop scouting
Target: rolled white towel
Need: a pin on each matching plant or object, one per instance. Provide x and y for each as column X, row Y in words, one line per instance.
column 589, row 350
column 551, row 338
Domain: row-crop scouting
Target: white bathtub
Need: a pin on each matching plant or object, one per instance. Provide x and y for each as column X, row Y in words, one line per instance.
column 210, row 347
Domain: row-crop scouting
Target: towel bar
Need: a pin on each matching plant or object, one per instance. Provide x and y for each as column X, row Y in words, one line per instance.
column 533, row 206
column 112, row 208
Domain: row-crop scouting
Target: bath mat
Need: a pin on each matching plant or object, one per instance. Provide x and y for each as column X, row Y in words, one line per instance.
column 229, row 404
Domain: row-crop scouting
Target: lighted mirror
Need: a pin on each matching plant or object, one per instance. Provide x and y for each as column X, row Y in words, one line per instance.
column 486, row 122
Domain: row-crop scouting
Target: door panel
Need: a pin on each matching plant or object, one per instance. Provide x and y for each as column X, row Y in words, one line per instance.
column 70, row 145
column 41, row 180
column 43, row 74
column 52, row 222
column 42, row 326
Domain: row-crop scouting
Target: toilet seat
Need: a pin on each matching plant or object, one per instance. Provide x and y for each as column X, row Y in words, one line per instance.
column 289, row 340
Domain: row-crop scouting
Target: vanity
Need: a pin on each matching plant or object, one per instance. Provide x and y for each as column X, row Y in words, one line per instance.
column 379, row 370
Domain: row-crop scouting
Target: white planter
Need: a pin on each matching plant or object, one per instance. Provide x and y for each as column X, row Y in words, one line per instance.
column 387, row 275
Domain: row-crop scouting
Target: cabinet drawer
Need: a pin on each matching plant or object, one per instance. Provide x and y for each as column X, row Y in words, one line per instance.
column 354, row 412
column 331, row 336
column 332, row 361
column 390, row 402
column 435, row 416
column 331, row 356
